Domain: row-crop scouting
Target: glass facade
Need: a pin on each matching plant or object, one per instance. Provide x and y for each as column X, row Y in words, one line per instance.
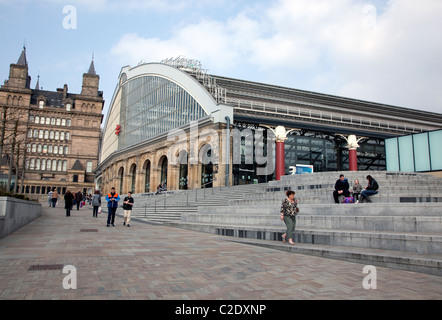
column 152, row 105
column 415, row 153
column 325, row 151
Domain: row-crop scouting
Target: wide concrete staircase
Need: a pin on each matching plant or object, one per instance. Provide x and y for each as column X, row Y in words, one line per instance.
column 401, row 228
column 168, row 207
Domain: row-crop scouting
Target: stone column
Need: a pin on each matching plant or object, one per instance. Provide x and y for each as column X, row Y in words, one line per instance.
column 352, row 145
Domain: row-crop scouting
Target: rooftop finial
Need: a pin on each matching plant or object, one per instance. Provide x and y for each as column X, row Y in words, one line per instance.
column 92, row 67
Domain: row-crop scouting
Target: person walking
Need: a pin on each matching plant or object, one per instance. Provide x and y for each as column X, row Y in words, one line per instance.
column 96, row 203
column 289, row 210
column 370, row 190
column 78, row 199
column 50, row 198
column 128, row 203
column 112, row 199
column 54, row 197
column 68, row 202
column 341, row 188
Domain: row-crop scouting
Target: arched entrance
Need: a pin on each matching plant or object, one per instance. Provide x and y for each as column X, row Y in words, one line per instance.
column 147, row 176
column 133, row 172
column 163, row 173
column 184, row 171
column 206, row 167
column 121, row 177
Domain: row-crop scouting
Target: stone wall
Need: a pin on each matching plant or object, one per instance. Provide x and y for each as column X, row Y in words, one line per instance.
column 16, row 213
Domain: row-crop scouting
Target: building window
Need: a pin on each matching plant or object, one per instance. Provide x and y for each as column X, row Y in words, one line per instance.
column 75, row 178
column 43, row 164
column 37, row 119
column 58, row 121
column 63, row 122
column 65, row 165
column 34, row 148
column 57, row 135
column 41, row 104
column 55, row 149
column 66, row 150
column 48, row 120
column 51, row 135
column 62, row 135
column 68, row 136
column 89, row 166
column 46, row 134
column 45, row 149
column 68, row 122
column 42, row 120
column 35, row 133
column 39, row 148
column 40, row 134
column 68, row 107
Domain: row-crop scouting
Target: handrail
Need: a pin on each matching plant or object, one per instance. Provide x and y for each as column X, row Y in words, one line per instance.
column 186, row 193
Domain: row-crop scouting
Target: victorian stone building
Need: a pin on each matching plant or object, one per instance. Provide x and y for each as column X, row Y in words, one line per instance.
column 172, row 122
column 50, row 139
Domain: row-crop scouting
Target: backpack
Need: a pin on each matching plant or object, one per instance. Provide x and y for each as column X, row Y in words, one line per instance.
column 348, row 200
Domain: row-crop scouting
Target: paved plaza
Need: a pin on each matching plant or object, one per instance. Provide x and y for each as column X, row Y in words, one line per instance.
column 155, row 262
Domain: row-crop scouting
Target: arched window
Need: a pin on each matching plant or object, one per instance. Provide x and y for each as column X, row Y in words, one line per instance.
column 147, row 177
column 121, row 175
column 133, row 173
column 164, row 163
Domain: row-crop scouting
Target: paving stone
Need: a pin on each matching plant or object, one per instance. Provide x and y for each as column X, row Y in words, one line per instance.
column 162, row 263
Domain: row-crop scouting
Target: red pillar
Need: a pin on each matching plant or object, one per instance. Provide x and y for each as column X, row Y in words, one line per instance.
column 280, row 159
column 353, row 160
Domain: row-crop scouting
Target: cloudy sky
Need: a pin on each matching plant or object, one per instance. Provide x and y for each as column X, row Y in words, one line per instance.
column 376, row 50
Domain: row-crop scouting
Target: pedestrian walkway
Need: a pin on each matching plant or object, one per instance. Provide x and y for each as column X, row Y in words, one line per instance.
column 148, row 261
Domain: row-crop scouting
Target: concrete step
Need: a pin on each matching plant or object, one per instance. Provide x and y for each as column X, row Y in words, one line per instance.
column 424, row 263
column 359, row 223
column 425, row 243
column 351, row 209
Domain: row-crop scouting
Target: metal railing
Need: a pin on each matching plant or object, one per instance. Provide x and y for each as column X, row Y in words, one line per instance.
column 162, row 201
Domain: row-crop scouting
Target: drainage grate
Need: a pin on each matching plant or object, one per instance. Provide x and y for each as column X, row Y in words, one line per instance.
column 37, row 267
column 88, row 230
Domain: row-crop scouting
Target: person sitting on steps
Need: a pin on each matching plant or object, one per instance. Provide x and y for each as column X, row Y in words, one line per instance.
column 341, row 188
column 370, row 190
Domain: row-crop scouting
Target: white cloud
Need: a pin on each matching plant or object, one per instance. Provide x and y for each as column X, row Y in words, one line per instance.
column 343, row 47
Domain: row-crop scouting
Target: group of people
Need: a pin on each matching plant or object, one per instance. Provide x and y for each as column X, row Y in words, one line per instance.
column 342, row 188
column 289, row 208
column 112, row 199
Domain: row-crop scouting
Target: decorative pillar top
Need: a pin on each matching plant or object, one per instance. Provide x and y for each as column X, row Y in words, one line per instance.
column 280, row 133
column 352, row 141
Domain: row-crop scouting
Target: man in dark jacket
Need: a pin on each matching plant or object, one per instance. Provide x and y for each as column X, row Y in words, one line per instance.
column 78, row 199
column 341, row 188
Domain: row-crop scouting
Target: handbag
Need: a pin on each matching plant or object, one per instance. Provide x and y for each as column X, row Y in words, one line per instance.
column 99, row 209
